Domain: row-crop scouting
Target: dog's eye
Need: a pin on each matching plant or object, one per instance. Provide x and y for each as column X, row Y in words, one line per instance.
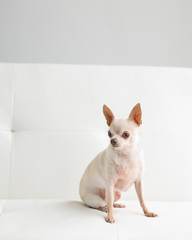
column 109, row 134
column 125, row 135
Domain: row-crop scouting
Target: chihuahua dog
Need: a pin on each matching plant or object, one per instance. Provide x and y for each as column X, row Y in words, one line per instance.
column 116, row 168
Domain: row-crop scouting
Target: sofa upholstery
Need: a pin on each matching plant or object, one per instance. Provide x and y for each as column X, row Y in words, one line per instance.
column 58, row 219
column 51, row 126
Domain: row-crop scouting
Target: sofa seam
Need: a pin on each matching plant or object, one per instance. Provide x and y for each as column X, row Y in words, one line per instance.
column 117, row 231
column 110, row 85
column 12, row 131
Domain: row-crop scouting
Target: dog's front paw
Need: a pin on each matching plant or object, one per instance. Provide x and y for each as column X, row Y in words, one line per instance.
column 110, row 220
column 151, row 214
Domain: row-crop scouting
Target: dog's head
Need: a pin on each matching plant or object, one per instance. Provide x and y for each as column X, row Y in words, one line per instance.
column 122, row 132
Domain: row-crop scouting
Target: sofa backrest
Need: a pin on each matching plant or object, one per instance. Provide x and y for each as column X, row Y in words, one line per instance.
column 52, row 125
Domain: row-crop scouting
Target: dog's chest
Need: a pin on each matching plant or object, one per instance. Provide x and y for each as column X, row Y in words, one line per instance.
column 127, row 173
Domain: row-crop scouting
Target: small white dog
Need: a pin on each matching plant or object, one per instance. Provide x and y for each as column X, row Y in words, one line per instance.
column 116, row 168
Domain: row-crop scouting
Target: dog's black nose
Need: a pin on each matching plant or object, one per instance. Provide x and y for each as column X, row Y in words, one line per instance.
column 114, row 142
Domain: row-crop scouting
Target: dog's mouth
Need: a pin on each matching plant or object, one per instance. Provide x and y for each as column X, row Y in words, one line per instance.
column 116, row 146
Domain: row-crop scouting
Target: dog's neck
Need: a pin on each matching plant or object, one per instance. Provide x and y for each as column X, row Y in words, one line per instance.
column 125, row 154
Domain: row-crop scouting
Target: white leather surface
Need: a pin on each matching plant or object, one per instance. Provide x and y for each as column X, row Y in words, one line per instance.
column 7, row 74
column 5, row 151
column 60, row 97
column 52, row 126
column 49, row 164
column 57, row 219
column 168, row 167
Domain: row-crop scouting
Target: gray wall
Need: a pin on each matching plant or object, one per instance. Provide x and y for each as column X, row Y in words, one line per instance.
column 97, row 32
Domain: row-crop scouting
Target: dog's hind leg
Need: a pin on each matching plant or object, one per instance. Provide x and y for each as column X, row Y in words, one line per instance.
column 95, row 201
column 117, row 196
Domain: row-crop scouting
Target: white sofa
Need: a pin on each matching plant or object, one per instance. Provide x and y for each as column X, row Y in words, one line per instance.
column 51, row 126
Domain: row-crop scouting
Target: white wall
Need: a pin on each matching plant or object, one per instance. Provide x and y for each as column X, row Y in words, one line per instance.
column 139, row 32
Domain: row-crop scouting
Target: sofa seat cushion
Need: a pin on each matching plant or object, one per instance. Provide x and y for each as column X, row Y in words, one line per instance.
column 57, row 219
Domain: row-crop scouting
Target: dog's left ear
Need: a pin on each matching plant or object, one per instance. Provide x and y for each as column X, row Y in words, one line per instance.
column 136, row 114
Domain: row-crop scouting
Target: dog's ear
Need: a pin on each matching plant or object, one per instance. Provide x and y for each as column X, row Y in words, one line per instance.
column 108, row 115
column 136, row 114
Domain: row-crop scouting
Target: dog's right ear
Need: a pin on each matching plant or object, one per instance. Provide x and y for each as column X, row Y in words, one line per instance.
column 108, row 115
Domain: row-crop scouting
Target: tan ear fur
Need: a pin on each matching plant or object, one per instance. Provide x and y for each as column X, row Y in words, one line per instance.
column 136, row 114
column 108, row 115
